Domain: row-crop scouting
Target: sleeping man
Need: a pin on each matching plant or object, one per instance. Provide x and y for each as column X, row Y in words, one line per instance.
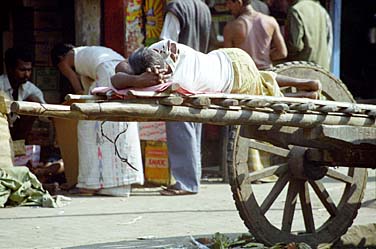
column 226, row 70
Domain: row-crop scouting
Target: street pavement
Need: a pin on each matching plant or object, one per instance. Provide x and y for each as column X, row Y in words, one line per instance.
column 145, row 219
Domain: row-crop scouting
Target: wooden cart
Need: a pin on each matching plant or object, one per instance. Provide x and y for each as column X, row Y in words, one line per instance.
column 308, row 139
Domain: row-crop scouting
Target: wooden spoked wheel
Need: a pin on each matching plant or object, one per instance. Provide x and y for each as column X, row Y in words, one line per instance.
column 270, row 211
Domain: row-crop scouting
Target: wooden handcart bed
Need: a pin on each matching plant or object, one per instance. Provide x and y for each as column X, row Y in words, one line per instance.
column 307, row 139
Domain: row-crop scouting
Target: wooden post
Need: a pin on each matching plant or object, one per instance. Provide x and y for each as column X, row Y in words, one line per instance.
column 114, row 25
column 87, row 17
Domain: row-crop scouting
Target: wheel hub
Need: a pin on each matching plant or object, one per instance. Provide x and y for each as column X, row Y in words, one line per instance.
column 301, row 168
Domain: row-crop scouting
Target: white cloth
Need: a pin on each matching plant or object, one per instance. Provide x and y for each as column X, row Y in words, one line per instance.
column 24, row 91
column 199, row 72
column 99, row 166
column 171, row 27
column 88, row 58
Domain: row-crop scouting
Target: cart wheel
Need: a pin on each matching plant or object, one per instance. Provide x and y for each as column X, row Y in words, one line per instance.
column 325, row 214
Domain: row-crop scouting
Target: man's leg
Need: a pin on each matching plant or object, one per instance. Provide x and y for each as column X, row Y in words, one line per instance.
column 184, row 152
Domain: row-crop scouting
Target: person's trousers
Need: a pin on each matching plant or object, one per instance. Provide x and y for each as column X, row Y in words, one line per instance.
column 184, row 153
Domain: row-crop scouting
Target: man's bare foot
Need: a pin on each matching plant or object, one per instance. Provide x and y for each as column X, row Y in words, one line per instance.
column 316, row 85
column 309, row 85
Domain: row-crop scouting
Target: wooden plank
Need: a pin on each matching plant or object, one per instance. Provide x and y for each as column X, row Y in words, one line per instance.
column 118, row 111
column 47, row 110
column 352, row 109
column 354, row 135
column 372, row 113
column 225, row 102
column 299, row 104
column 303, row 107
column 255, row 102
column 279, row 107
column 272, row 99
column 200, row 101
column 85, row 97
column 328, row 108
column 343, row 154
column 171, row 100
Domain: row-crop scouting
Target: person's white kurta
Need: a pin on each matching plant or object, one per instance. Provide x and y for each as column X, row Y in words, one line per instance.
column 99, row 166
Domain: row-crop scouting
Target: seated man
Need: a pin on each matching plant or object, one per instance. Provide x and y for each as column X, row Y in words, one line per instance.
column 228, row 70
column 16, row 85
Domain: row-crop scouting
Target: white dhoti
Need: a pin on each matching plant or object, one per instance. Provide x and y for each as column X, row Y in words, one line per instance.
column 106, row 149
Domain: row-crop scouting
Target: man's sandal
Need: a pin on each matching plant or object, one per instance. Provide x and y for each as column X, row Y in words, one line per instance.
column 172, row 191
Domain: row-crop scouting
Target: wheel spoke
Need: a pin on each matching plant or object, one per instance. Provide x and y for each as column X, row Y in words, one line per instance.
column 268, row 148
column 305, row 202
column 278, row 169
column 289, row 210
column 274, row 193
column 339, row 176
column 324, row 197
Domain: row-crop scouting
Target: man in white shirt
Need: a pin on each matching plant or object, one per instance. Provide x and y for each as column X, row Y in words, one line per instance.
column 16, row 85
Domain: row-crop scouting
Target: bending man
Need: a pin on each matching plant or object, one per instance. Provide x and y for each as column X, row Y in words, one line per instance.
column 106, row 149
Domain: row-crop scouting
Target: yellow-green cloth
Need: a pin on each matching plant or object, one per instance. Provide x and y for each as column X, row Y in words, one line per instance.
column 247, row 78
column 19, row 187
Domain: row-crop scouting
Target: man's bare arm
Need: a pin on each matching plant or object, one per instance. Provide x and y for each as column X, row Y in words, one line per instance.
column 299, row 83
column 151, row 77
column 72, row 76
column 123, row 67
column 278, row 49
column 307, row 88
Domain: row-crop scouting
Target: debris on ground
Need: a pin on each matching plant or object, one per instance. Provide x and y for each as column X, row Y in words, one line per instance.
column 222, row 241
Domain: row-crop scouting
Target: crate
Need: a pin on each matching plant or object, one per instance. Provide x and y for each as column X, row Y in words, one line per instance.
column 157, row 169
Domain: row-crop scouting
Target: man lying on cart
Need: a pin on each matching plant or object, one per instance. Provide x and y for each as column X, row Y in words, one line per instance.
column 226, row 70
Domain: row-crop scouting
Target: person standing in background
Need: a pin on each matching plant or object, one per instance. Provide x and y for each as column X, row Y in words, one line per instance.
column 257, row 34
column 187, row 22
column 109, row 152
column 308, row 32
column 260, row 36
